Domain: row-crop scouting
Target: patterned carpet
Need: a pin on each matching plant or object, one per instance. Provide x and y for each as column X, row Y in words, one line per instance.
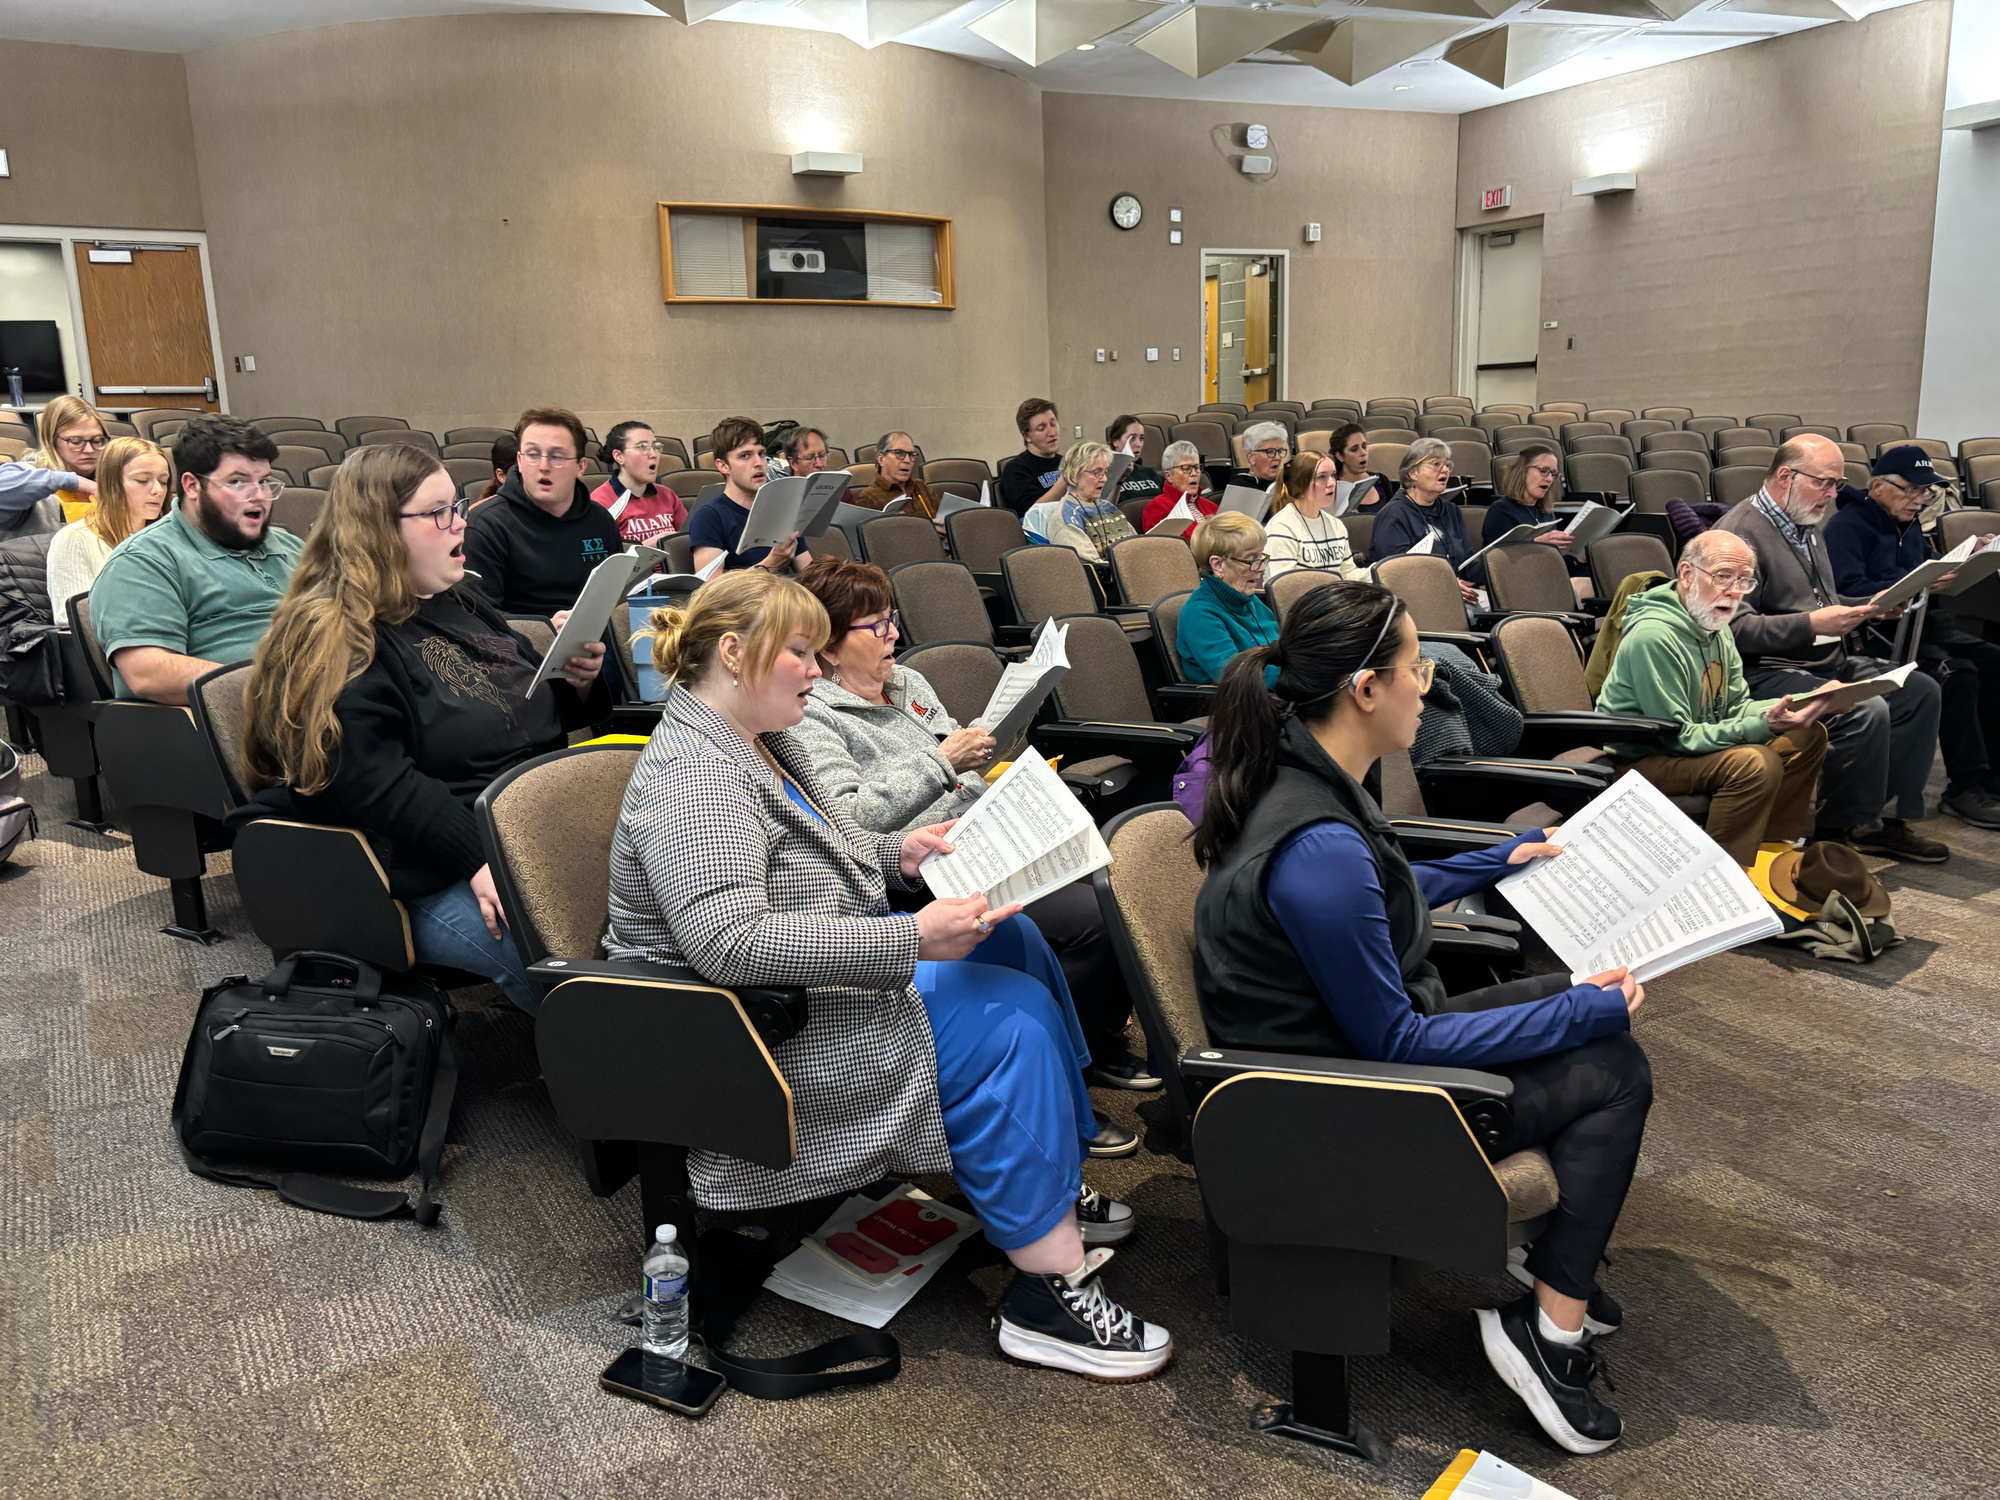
column 1810, row 1266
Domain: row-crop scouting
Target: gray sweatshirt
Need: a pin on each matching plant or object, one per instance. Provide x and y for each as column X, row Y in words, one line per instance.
column 881, row 762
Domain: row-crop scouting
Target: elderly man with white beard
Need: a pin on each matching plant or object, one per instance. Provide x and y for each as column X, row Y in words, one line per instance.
column 1793, row 628
column 1757, row 761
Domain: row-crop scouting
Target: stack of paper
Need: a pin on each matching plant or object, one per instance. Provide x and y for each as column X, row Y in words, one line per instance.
column 1979, row 564
column 1253, row 503
column 1923, row 575
column 1591, row 523
column 1175, row 521
column 1024, row 686
column 1638, row 886
column 1026, row 837
column 797, row 505
column 1481, row 1476
column 1842, row 696
column 867, row 1261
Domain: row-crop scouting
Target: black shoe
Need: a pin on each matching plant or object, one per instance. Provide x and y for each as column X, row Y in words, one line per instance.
column 1602, row 1316
column 1112, row 1140
column 1067, row 1323
column 1973, row 805
column 1552, row 1379
column 1895, row 840
column 1126, row 1072
column 1103, row 1221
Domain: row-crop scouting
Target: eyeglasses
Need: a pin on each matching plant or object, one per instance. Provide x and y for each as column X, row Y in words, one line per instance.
column 628, row 448
column 1546, row 473
column 443, row 515
column 1728, row 582
column 899, row 453
column 893, row 621
column 1192, row 463
column 272, row 488
column 1251, row 560
column 1272, row 452
column 1423, row 669
column 553, row 460
column 1819, row 481
column 88, row 444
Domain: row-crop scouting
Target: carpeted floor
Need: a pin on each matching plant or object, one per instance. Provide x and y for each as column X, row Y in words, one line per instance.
column 1808, row 1262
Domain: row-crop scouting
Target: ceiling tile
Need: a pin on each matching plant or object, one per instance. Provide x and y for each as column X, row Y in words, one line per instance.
column 1479, row 10
column 1361, row 46
column 1505, row 55
column 870, row 23
column 1808, row 10
column 1203, row 38
column 1039, row 31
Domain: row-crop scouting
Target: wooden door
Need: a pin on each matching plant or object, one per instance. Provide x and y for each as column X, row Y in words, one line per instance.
column 1510, row 316
column 146, row 323
column 1211, row 336
column 1259, row 369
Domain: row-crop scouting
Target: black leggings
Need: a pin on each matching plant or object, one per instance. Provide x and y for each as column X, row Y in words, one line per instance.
column 1586, row 1108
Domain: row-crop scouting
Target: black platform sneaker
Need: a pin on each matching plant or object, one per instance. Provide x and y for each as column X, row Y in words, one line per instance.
column 1553, row 1380
column 1067, row 1323
column 1104, row 1221
column 1601, row 1315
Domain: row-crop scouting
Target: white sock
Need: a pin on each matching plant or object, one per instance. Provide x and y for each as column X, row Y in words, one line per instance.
column 1552, row 1334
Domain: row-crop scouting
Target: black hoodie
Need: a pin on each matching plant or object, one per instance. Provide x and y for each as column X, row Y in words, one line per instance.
column 530, row 562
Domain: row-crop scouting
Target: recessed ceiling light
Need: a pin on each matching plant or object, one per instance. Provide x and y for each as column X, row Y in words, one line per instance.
column 1086, row 46
column 1648, row 25
column 1404, row 88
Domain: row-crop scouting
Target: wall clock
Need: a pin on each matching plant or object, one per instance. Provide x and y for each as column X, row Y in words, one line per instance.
column 1125, row 211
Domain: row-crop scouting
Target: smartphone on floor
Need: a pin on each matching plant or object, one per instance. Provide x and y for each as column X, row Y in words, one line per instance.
column 661, row 1381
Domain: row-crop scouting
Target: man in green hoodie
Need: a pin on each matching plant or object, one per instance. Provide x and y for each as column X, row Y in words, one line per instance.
column 1757, row 760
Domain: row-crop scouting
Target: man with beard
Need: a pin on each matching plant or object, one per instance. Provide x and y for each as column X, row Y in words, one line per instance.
column 1756, row 760
column 1793, row 629
column 196, row 589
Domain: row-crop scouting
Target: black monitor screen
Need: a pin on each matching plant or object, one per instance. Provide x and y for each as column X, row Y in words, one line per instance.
column 812, row 259
column 35, row 347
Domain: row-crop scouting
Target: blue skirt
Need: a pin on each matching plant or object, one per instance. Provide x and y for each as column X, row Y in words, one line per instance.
column 1010, row 1058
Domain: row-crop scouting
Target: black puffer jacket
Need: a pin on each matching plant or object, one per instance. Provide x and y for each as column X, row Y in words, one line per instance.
column 30, row 668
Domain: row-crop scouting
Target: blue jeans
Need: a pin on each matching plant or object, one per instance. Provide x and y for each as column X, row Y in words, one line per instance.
column 1010, row 1060
column 446, row 929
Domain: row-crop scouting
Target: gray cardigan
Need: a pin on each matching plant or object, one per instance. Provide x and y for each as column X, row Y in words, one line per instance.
column 1771, row 627
column 715, row 867
column 880, row 761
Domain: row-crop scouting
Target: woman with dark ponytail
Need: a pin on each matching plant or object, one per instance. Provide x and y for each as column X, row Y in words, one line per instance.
column 1312, row 935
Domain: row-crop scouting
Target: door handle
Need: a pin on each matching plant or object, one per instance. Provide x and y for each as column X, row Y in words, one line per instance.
column 208, row 387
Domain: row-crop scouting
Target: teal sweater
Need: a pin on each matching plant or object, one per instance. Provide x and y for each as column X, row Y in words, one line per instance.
column 1217, row 623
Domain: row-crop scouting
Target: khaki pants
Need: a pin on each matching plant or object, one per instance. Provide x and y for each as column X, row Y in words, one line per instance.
column 1757, row 793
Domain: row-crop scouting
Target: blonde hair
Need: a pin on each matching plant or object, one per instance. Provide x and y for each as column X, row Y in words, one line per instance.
column 1080, row 457
column 755, row 605
column 1298, row 477
column 1227, row 534
column 355, row 570
column 64, row 411
column 110, row 520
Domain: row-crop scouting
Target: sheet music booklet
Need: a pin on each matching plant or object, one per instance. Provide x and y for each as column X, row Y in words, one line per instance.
column 1024, row 686
column 1521, row 533
column 1175, row 521
column 603, row 591
column 1252, row 503
column 1978, row 563
column 1637, row 886
column 1026, row 837
column 797, row 505
column 677, row 583
column 1592, row 523
column 1842, row 696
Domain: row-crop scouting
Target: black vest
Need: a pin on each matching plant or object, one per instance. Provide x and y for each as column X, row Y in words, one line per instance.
column 1255, row 990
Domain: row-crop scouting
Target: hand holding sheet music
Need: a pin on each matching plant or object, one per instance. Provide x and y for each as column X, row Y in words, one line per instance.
column 1175, row 521
column 1839, row 697
column 1637, row 886
column 1024, row 686
column 1514, row 536
column 1026, row 837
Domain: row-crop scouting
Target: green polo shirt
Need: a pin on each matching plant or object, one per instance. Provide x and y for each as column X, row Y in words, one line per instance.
column 170, row 586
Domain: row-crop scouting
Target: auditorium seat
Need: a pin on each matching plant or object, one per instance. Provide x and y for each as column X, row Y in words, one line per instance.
column 1390, row 427
column 973, row 471
column 271, row 426
column 1461, row 433
column 1443, row 403
column 1386, row 458
column 1800, row 429
column 1330, row 403
column 404, row 436
column 294, row 464
column 1283, row 416
column 1776, row 423
column 1709, row 426
column 13, row 447
column 297, row 510
column 1636, row 430
column 151, row 420
column 1737, row 482
column 642, row 1062
column 1615, row 415
column 1653, row 488
column 464, row 471
column 1738, row 437
column 1282, row 592
column 1675, row 440
column 1989, row 494
column 1232, row 408
column 1296, row 408
column 1323, row 421
column 331, row 444
column 1868, row 434
column 1604, row 442
column 1543, row 669
column 1490, row 422
column 1303, row 1240
column 1579, row 407
column 1982, row 469
column 1179, row 698
column 1857, row 474
column 1429, row 588
column 322, row 477
column 1210, row 437
column 891, row 541
column 485, row 435
column 940, row 600
column 482, row 451
column 1530, row 431
column 352, row 428
column 1145, row 569
column 1688, row 460
column 1617, row 557
column 1315, row 440
column 1731, row 458
column 1431, row 424
column 1935, row 447
column 1852, row 453
column 1102, row 708
column 1532, row 578
column 687, row 483
column 1675, row 414
column 1520, row 412
column 979, row 538
column 1360, row 531
column 1978, row 448
column 1513, row 445
column 1043, row 582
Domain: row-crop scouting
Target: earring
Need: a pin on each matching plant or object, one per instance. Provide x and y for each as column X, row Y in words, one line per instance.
column 736, row 683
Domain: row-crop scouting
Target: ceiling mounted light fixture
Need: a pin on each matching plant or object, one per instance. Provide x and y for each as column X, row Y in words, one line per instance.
column 1040, row 31
column 1086, row 46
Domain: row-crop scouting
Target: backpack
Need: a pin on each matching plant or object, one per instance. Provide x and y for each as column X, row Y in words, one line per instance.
column 17, row 818
column 323, row 1065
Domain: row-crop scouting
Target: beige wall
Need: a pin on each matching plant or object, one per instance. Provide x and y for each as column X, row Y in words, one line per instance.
column 449, row 219
column 1776, row 255
column 96, row 138
column 1370, row 304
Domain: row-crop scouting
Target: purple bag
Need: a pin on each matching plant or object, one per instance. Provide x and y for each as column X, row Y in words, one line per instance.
column 1191, row 781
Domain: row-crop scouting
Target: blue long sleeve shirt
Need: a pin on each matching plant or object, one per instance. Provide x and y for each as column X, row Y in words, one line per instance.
column 23, row 486
column 1402, row 523
column 1326, row 892
column 1868, row 550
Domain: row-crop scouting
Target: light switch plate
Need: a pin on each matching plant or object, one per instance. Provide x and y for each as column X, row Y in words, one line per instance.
column 1100, row 356
column 1173, row 236
column 1173, row 216
column 249, row 364
column 6, row 171
column 1152, row 354
column 1228, row 340
column 1177, row 354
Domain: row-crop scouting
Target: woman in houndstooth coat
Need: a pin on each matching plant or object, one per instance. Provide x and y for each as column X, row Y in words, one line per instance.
column 942, row 1039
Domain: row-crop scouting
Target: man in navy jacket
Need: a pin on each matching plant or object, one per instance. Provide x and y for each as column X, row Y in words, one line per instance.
column 1876, row 540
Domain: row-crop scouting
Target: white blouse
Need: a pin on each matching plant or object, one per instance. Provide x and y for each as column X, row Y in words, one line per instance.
column 76, row 556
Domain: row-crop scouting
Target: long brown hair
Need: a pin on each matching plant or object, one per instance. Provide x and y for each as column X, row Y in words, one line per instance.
column 355, row 570
column 1328, row 635
column 1298, row 478
column 110, row 519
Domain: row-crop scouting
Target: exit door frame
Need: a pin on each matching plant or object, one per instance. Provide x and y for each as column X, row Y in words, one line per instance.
column 1465, row 332
column 68, row 238
column 1282, row 318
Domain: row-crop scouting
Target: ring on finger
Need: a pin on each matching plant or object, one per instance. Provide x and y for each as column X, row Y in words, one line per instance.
column 982, row 927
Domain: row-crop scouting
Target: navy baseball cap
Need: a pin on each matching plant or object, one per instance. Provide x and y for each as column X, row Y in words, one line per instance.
column 1908, row 463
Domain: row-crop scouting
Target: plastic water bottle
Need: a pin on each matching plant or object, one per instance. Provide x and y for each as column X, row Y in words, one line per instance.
column 666, row 1272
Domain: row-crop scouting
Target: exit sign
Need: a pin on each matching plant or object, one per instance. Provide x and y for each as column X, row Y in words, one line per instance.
column 1500, row 197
